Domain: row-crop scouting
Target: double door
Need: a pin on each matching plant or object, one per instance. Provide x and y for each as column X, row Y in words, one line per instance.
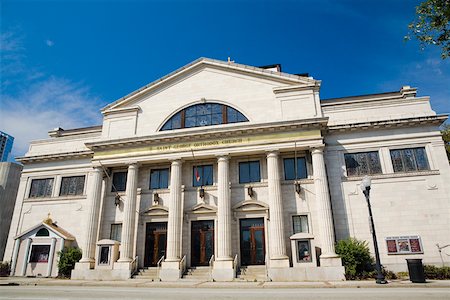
column 252, row 241
column 155, row 243
column 202, row 242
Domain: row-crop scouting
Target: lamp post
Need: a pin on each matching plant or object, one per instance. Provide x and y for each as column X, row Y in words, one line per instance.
column 365, row 187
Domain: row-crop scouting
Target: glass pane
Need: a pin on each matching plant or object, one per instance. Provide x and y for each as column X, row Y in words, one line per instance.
column 176, row 121
column 241, row 117
column 244, row 172
column 255, row 175
column 203, row 109
column 216, row 108
column 408, row 160
column 191, row 111
column 203, row 120
column 304, row 251
column 232, row 115
column 301, row 168
column 216, row 119
column 363, row 167
column 396, row 160
column 119, row 181
column 289, row 169
column 421, row 159
column 259, row 245
column 190, row 122
column 374, row 163
column 208, row 175
column 154, row 179
column 351, row 164
column 164, row 178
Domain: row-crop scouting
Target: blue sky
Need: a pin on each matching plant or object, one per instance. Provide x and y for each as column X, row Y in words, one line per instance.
column 62, row 61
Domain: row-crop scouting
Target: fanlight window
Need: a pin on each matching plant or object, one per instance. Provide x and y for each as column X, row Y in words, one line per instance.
column 204, row 115
column 42, row 232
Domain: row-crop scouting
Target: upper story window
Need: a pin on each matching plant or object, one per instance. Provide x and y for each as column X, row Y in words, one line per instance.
column 116, row 232
column 363, row 163
column 409, row 160
column 300, row 224
column 159, row 179
column 41, row 188
column 119, row 183
column 203, row 175
column 290, row 167
column 249, row 171
column 73, row 185
column 206, row 114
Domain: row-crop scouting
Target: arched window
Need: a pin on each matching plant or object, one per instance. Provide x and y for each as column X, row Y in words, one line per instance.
column 42, row 232
column 206, row 114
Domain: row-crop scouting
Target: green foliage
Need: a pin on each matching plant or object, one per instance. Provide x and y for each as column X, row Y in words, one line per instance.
column 433, row 272
column 67, row 259
column 446, row 137
column 431, row 26
column 4, row 269
column 356, row 258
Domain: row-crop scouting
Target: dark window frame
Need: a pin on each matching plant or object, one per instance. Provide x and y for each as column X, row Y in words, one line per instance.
column 300, row 174
column 354, row 163
column 419, row 162
column 206, row 114
column 159, row 184
column 38, row 253
column 201, row 170
column 75, row 185
column 118, row 230
column 43, row 191
column 249, row 164
column 299, row 216
column 117, row 186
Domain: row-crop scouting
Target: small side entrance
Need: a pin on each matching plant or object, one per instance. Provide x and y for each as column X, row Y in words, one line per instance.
column 202, row 242
column 252, row 241
column 155, row 243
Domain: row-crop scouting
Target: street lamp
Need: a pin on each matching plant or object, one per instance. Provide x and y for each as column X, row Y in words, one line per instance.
column 365, row 187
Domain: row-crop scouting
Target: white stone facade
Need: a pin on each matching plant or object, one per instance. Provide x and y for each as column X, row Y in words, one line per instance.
column 242, row 223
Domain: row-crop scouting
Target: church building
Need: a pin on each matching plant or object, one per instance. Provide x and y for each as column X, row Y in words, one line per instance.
column 224, row 167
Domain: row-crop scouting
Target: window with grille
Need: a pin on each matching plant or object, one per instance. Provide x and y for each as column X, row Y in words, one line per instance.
column 159, row 179
column 300, row 224
column 363, row 163
column 409, row 160
column 41, row 188
column 119, row 182
column 73, row 185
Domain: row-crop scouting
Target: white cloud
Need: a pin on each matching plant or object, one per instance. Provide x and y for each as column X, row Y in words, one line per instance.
column 49, row 43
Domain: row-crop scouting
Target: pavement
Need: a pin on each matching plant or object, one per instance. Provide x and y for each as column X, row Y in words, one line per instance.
column 24, row 281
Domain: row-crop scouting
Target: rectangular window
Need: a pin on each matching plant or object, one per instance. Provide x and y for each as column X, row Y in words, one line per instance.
column 249, row 172
column 39, row 253
column 73, row 185
column 290, row 167
column 409, row 160
column 159, row 179
column 404, row 245
column 202, row 175
column 304, row 251
column 116, row 232
column 300, row 224
column 41, row 188
column 119, row 182
column 104, row 255
column 363, row 163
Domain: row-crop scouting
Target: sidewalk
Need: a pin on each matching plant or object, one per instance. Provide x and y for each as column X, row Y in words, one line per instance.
column 11, row 281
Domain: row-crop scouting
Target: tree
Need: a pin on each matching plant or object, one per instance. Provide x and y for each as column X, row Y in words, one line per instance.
column 446, row 137
column 432, row 25
column 67, row 259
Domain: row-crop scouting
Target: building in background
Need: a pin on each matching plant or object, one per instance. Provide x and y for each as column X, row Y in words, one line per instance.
column 220, row 167
column 9, row 183
column 6, row 143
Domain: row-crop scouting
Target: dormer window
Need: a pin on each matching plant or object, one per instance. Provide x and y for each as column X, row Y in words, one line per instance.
column 205, row 114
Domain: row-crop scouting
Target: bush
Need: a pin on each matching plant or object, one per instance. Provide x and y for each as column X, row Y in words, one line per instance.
column 4, row 269
column 67, row 259
column 434, row 272
column 356, row 258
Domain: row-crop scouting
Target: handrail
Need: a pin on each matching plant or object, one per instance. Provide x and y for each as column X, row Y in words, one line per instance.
column 158, row 267
column 235, row 265
column 211, row 265
column 183, row 265
column 134, row 265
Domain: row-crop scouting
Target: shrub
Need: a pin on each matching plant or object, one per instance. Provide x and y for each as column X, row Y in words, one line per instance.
column 356, row 258
column 67, row 259
column 4, row 269
column 434, row 272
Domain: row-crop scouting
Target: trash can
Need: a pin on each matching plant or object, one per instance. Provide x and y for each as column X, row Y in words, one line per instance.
column 415, row 269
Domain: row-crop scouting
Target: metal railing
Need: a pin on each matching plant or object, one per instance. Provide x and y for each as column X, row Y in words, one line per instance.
column 211, row 266
column 235, row 265
column 134, row 265
column 158, row 267
column 183, row 265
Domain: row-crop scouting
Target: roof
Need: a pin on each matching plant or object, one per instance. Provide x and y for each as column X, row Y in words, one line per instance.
column 50, row 226
column 217, row 63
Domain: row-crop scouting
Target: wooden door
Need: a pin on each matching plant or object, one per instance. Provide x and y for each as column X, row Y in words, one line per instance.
column 202, row 242
column 252, row 241
column 155, row 243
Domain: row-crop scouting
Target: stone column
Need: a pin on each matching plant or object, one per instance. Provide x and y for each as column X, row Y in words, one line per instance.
column 94, row 192
column 129, row 214
column 14, row 258
column 223, row 266
column 25, row 258
column 326, row 230
column 277, row 242
column 170, row 269
column 51, row 257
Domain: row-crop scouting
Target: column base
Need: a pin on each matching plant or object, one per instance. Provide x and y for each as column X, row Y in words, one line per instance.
column 99, row 274
column 223, row 270
column 298, row 274
column 330, row 260
column 85, row 265
column 170, row 271
column 279, row 262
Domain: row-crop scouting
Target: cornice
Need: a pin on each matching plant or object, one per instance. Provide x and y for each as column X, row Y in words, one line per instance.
column 202, row 133
column 394, row 123
column 55, row 157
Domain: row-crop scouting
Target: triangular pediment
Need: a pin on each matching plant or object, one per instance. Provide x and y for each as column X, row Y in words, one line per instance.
column 281, row 80
column 251, row 205
column 157, row 210
column 54, row 230
column 203, row 208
